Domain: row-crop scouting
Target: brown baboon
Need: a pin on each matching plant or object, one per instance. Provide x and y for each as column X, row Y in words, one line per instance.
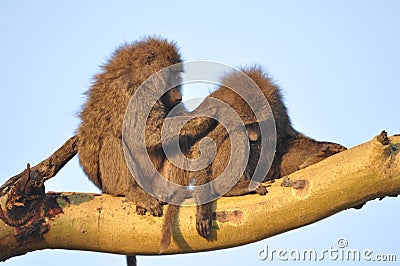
column 183, row 177
column 293, row 150
column 100, row 145
column 221, row 138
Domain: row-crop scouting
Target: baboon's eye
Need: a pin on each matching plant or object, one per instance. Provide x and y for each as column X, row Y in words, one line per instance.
column 150, row 58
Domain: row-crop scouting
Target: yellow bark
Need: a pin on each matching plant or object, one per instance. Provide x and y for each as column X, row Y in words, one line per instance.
column 108, row 224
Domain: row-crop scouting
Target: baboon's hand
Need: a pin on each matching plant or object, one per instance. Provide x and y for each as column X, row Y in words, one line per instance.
column 203, row 225
column 150, row 205
column 261, row 190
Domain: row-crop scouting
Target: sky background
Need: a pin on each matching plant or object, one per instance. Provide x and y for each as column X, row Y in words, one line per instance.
column 336, row 61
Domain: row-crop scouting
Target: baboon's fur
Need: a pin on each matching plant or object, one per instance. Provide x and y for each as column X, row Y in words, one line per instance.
column 100, row 132
column 293, row 150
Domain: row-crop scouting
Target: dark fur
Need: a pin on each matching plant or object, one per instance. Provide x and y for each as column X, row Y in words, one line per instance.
column 300, row 151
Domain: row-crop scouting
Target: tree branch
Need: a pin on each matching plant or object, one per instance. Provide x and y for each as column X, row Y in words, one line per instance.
column 108, row 224
column 46, row 169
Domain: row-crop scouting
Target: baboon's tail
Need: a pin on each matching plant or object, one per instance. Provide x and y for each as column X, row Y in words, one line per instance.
column 166, row 232
column 170, row 216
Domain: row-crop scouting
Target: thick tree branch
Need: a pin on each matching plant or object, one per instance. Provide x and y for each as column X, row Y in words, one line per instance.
column 108, row 224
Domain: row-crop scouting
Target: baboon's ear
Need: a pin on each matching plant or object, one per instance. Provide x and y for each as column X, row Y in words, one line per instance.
column 150, row 58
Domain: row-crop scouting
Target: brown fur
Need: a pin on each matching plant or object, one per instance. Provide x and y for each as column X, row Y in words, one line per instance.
column 100, row 147
column 220, row 136
column 300, row 151
column 100, row 132
column 293, row 151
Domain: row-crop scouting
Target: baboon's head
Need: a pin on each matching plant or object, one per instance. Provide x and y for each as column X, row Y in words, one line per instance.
column 155, row 54
column 132, row 64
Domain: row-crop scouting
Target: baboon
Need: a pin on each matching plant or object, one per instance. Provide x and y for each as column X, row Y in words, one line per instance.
column 100, row 145
column 100, row 131
column 180, row 176
column 293, row 150
column 222, row 140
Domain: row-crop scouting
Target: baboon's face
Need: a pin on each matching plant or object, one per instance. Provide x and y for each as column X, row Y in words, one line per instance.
column 172, row 97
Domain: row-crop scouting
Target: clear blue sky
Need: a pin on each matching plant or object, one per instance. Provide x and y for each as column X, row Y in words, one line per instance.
column 337, row 62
